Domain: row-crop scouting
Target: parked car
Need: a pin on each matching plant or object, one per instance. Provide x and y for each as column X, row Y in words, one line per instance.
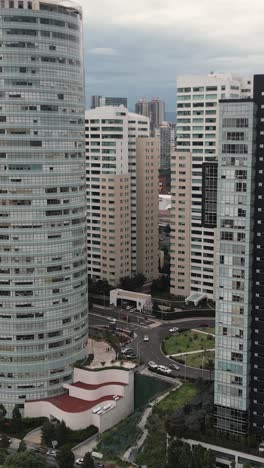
column 79, row 461
column 131, row 356
column 152, row 365
column 146, row 338
column 174, row 329
column 164, row 370
column 127, row 350
column 174, row 366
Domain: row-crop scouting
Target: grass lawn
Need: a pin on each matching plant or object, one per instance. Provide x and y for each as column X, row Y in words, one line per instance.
column 196, row 360
column 188, row 341
column 177, row 399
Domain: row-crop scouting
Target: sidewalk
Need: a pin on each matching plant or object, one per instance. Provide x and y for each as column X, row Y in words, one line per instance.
column 193, row 352
column 202, row 332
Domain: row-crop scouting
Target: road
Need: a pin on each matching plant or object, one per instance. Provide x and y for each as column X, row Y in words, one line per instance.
column 151, row 350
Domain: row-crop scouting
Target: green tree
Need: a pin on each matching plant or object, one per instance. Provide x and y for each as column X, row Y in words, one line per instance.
column 3, row 456
column 48, row 433
column 2, row 412
column 61, row 433
column 25, row 460
column 22, row 446
column 209, row 459
column 88, row 461
column 16, row 413
column 4, row 442
column 65, row 458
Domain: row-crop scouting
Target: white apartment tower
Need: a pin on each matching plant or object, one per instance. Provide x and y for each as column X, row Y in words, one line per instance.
column 197, row 137
column 112, row 186
column 108, row 193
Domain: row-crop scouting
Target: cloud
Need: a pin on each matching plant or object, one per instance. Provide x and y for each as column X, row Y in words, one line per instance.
column 156, row 40
column 103, row 51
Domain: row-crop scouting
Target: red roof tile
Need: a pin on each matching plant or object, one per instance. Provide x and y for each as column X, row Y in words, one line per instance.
column 74, row 405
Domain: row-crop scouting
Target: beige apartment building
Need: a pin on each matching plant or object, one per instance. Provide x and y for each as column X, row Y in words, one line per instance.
column 121, row 169
column 147, row 163
column 181, row 169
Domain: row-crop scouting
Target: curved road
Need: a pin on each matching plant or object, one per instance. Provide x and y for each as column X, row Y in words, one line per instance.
column 151, row 350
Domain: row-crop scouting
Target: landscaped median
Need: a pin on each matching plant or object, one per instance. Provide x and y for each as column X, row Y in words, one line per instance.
column 195, row 348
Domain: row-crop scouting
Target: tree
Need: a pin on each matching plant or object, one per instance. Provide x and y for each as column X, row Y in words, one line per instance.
column 88, row 461
column 65, row 458
column 25, row 460
column 48, row 433
column 22, row 446
column 4, row 442
column 61, row 433
column 2, row 412
column 16, row 413
column 3, row 456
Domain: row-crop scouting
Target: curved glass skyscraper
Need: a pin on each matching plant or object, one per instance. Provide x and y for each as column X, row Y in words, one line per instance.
column 43, row 277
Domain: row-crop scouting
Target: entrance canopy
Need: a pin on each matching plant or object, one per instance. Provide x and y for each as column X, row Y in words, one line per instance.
column 141, row 300
column 196, row 298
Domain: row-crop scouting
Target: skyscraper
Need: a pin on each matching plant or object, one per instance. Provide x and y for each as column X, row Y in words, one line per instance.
column 239, row 360
column 122, row 181
column 154, row 109
column 102, row 101
column 167, row 134
column 197, row 136
column 43, row 274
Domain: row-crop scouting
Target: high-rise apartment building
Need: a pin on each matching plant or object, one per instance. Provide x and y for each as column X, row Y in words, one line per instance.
column 108, row 194
column 147, row 150
column 43, row 273
column 112, row 159
column 239, row 360
column 167, row 134
column 154, row 109
column 197, row 136
column 102, row 101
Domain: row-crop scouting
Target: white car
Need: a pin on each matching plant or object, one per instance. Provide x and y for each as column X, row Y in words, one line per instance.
column 79, row 461
column 146, row 338
column 164, row 370
column 174, row 330
column 152, row 365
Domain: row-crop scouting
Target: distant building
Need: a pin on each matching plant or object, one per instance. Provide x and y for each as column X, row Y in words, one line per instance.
column 154, row 109
column 102, row 101
column 166, row 133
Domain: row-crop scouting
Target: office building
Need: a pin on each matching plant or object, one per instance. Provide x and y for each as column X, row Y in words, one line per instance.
column 167, row 135
column 112, row 160
column 102, row 101
column 239, row 360
column 197, row 137
column 43, row 274
column 154, row 109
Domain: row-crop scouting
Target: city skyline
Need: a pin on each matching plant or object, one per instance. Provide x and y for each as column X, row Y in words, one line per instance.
column 161, row 41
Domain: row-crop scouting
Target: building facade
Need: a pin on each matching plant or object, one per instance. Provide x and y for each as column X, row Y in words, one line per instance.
column 102, row 101
column 197, row 134
column 113, row 182
column 234, row 260
column 154, row 109
column 167, row 135
column 147, row 150
column 108, row 194
column 43, row 274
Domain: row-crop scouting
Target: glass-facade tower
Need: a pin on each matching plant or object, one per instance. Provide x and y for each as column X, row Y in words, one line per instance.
column 43, row 266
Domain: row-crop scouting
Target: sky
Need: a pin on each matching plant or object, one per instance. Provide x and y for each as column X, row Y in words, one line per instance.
column 136, row 48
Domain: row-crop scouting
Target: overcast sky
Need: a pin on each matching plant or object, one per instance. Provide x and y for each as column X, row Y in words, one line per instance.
column 136, row 48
